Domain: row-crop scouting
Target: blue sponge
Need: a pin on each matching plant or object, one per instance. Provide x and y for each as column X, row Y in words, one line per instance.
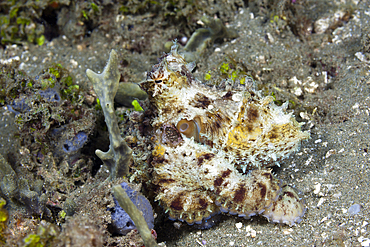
column 122, row 221
column 76, row 143
column 50, row 95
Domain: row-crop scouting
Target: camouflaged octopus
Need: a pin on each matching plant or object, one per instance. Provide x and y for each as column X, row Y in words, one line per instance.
column 213, row 148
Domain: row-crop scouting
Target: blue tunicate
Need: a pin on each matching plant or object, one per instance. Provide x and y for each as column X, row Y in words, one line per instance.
column 354, row 209
column 122, row 221
column 76, row 143
column 50, row 95
column 10, row 108
column 18, row 106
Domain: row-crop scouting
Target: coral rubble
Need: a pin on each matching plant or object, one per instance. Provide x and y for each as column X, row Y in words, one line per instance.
column 128, row 92
column 214, row 30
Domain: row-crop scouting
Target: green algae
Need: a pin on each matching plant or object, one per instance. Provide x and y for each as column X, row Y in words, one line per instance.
column 18, row 22
column 137, row 106
column 4, row 216
column 46, row 235
column 32, row 240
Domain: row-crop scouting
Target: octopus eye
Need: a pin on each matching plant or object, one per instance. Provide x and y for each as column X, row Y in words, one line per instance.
column 158, row 81
column 183, row 127
column 189, row 129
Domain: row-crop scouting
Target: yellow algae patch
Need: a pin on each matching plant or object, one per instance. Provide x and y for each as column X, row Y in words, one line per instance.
column 159, row 151
column 240, row 137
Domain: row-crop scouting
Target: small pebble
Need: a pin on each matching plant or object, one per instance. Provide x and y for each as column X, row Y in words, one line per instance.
column 253, row 233
column 239, row 225
column 354, row 209
column 317, row 188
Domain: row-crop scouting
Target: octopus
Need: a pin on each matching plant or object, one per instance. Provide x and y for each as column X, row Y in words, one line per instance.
column 213, row 148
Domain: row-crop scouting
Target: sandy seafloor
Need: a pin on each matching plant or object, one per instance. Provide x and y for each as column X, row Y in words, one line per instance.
column 331, row 169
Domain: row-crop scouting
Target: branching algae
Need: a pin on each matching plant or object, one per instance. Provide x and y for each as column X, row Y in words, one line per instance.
column 118, row 157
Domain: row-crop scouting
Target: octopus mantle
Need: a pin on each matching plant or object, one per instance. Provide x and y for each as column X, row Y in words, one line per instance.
column 213, row 147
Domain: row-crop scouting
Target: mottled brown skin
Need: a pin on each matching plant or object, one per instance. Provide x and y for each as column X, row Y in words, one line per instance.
column 202, row 138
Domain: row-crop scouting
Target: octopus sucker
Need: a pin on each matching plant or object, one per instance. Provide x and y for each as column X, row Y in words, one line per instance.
column 213, row 147
column 288, row 208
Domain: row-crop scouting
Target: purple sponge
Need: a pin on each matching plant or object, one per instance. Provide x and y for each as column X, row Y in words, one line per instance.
column 122, row 221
